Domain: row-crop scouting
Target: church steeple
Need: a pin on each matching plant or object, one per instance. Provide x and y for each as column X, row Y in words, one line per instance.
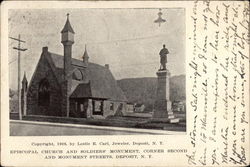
column 24, row 94
column 85, row 56
column 67, row 27
column 67, row 41
column 24, row 82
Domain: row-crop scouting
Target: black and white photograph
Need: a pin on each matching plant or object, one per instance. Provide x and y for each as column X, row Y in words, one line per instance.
column 97, row 71
column 125, row 83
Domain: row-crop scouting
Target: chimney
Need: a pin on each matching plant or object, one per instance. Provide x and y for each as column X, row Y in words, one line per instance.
column 107, row 66
column 45, row 49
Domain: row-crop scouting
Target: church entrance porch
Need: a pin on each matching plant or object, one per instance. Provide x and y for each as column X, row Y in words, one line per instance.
column 78, row 108
column 97, row 107
column 86, row 108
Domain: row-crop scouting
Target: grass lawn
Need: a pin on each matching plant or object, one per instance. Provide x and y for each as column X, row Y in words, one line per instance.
column 125, row 121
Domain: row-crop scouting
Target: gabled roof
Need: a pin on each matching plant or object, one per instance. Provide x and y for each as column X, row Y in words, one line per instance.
column 139, row 105
column 67, row 27
column 83, row 90
column 102, row 84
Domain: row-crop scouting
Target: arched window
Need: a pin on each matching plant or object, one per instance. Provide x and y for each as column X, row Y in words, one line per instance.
column 77, row 75
column 43, row 93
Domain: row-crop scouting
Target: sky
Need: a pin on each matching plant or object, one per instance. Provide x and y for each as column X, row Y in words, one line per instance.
column 126, row 39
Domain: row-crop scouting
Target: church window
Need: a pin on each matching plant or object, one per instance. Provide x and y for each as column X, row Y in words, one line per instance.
column 44, row 93
column 78, row 75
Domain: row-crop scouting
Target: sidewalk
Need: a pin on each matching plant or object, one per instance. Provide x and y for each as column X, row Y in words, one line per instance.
column 75, row 129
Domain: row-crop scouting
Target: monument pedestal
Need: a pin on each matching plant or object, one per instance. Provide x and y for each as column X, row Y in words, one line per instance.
column 163, row 106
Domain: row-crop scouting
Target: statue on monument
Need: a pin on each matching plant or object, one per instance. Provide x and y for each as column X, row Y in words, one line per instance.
column 162, row 110
column 163, row 54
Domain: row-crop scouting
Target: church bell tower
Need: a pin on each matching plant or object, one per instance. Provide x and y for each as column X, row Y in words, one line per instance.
column 67, row 41
column 67, row 35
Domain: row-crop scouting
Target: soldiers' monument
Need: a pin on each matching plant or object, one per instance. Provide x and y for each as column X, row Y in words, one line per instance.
column 162, row 107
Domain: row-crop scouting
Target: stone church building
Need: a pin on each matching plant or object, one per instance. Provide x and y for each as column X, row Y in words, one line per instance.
column 67, row 87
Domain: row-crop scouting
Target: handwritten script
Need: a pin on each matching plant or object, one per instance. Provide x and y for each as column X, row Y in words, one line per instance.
column 219, row 83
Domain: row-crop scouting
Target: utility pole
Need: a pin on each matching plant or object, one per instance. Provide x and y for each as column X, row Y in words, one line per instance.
column 19, row 49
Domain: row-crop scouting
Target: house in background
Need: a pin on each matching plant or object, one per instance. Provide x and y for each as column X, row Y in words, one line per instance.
column 179, row 106
column 67, row 87
column 130, row 107
column 139, row 107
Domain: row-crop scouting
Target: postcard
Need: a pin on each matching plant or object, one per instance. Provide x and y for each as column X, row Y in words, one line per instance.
column 125, row 83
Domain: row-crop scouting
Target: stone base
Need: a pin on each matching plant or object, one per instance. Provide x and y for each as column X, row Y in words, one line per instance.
column 163, row 72
column 160, row 120
column 170, row 116
column 163, row 112
column 174, row 120
column 162, row 109
column 165, row 120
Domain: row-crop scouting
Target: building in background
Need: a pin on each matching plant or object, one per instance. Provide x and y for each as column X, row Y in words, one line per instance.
column 139, row 107
column 179, row 106
column 130, row 107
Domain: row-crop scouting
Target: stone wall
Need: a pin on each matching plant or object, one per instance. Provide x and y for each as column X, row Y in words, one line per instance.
column 43, row 70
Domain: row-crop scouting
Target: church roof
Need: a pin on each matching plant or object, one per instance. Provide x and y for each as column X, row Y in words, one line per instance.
column 83, row 90
column 67, row 27
column 102, row 83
